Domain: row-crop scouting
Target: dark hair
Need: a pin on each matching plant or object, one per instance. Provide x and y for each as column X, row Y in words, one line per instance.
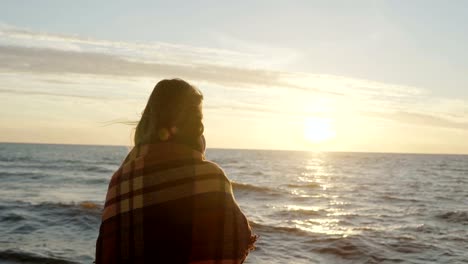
column 173, row 103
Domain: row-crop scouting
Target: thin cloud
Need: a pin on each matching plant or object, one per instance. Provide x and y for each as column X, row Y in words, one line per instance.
column 29, row 93
column 420, row 119
column 170, row 53
column 24, row 50
column 68, row 55
column 50, row 61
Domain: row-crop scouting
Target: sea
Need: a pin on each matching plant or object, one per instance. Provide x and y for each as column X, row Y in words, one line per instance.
column 306, row 207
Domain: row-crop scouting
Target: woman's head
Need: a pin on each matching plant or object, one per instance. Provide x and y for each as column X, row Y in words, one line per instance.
column 173, row 112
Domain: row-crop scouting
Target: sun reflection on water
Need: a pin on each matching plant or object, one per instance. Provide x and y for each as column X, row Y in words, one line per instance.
column 328, row 226
column 293, row 207
column 316, row 182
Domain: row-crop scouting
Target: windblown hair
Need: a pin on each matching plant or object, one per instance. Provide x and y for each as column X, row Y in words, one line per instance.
column 173, row 103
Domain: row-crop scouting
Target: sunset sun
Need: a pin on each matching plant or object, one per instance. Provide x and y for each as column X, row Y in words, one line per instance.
column 318, row 130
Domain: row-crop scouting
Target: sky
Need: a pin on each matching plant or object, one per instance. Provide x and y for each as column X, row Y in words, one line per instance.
column 367, row 76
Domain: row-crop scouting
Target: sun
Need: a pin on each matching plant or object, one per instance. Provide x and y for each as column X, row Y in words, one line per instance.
column 318, row 130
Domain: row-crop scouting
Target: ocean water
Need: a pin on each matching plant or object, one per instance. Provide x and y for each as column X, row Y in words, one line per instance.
column 306, row 207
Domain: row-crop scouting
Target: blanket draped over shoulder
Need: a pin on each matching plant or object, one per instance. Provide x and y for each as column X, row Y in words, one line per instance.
column 167, row 204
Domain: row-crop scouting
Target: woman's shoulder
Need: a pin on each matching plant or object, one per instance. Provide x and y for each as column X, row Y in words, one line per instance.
column 215, row 168
column 213, row 165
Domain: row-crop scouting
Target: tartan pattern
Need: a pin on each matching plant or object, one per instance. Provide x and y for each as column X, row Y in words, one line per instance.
column 167, row 204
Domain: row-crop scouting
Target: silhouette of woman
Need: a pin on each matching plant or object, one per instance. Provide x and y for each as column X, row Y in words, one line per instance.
column 166, row 203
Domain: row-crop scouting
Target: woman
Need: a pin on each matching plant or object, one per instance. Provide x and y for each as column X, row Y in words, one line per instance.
column 166, row 203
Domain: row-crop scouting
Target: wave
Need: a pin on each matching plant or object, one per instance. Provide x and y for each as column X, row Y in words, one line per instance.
column 70, row 210
column 225, row 161
column 98, row 169
column 291, row 230
column 462, row 169
column 12, row 217
column 54, row 177
column 84, row 205
column 14, row 159
column 250, row 187
column 360, row 249
column 95, row 181
column 257, row 173
column 24, row 218
column 306, row 185
column 422, row 228
column 291, row 213
column 399, row 199
column 63, row 208
column 262, row 228
column 18, row 174
column 350, row 247
column 89, row 205
column 364, row 249
column 455, row 217
column 55, row 166
column 25, row 228
column 26, row 257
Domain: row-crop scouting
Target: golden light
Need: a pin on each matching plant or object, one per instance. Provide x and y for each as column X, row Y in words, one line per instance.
column 318, row 130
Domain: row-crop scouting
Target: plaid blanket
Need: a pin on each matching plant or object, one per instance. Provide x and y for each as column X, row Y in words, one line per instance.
column 167, row 204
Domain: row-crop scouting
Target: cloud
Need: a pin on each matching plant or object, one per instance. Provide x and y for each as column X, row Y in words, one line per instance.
column 53, row 61
column 420, row 119
column 173, row 53
column 24, row 50
column 22, row 92
column 49, row 55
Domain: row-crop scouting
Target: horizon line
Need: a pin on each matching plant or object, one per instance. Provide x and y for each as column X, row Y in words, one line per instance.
column 224, row 148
